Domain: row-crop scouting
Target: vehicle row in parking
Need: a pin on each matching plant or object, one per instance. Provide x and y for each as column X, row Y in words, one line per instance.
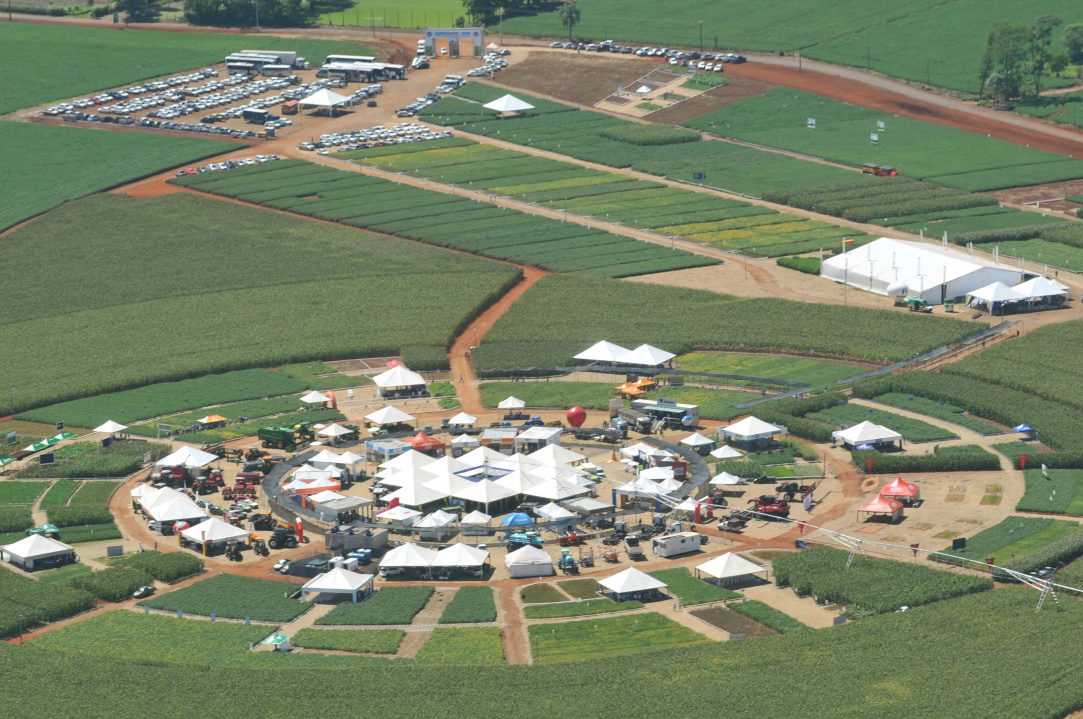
column 663, row 52
column 220, row 167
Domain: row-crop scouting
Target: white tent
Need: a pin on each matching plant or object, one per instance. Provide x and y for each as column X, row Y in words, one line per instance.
column 751, row 428
column 213, row 530
column 602, row 352
column 175, row 510
column 631, row 581
column 140, row 490
column 671, row 484
column 33, row 548
column 152, row 496
column 657, row 474
column 1040, row 287
column 415, row 495
column 460, row 555
column 897, row 267
column 334, row 430
column 325, row 98
column 517, row 461
column 696, row 440
column 518, row 482
column 465, row 440
column 409, row 555
column 443, row 466
column 410, row 459
column 389, row 415
column 327, row 495
column 398, row 514
column 448, row 483
column 508, row 103
column 349, row 458
column 398, row 377
column 462, row 419
column 476, row 518
column 554, row 454
column 726, row 452
column 997, row 292
column 320, row 479
column 311, row 475
column 511, row 403
column 729, row 566
column 643, row 90
column 484, row 492
column 640, row 488
column 338, row 581
column 315, row 398
column 563, row 473
column 482, row 455
column 726, row 479
column 403, row 477
column 529, row 561
column 187, row 457
column 647, row 356
column 439, row 518
column 326, row 457
column 111, row 427
column 554, row 511
column 866, row 433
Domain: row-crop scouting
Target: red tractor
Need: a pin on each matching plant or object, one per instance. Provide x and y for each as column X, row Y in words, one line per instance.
column 239, row 490
column 566, row 539
column 773, row 508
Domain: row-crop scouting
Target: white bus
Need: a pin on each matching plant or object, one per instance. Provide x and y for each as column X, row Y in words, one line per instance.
column 349, row 59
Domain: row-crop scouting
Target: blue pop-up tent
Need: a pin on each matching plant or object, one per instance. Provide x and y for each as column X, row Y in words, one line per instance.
column 1023, row 428
column 516, row 519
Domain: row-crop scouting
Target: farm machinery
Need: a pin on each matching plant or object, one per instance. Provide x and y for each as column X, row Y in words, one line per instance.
column 568, row 538
column 771, row 506
column 287, row 438
column 241, row 489
column 790, row 490
column 517, row 540
column 586, row 560
column 567, row 563
column 263, row 521
column 734, row 521
column 632, row 548
column 282, row 536
column 259, row 547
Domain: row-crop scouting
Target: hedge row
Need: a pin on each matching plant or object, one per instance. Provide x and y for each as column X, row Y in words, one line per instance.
column 1058, row 553
column 808, row 265
column 973, row 460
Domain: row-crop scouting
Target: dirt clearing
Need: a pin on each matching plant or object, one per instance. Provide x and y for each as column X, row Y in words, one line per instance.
column 1049, row 195
column 583, row 79
column 735, row 90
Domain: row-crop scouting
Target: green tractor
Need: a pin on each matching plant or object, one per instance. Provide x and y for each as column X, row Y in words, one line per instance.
column 286, row 438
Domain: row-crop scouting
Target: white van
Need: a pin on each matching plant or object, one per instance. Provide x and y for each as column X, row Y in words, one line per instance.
column 420, row 47
column 454, row 80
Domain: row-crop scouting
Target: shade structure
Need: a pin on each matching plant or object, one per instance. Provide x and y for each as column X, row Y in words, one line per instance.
column 484, row 492
column 460, row 555
column 529, row 561
column 631, row 580
column 389, row 415
column 640, row 488
column 398, row 514
column 410, row 459
column 141, row 490
column 883, row 505
column 465, row 440
column 657, row 474
column 517, row 461
column 152, row 496
column 476, row 518
column 996, row 292
column 449, row 483
column 517, row 482
column 327, row 495
column 866, row 433
column 516, row 519
column 443, row 466
column 751, row 428
column 213, row 418
column 187, row 457
column 398, row 377
column 335, row 430
column 214, row 531
column 899, row 488
column 509, row 103
column 696, row 440
column 303, row 477
column 111, row 427
column 729, row 566
column 1039, row 288
column 554, row 454
column 324, row 98
column 463, row 419
column 726, row 479
column 646, row 356
column 338, row 581
column 671, row 484
column 317, row 485
column 1023, row 428
column 554, row 512
column 175, row 510
column 349, row 458
column 437, row 519
column 34, row 548
column 602, row 352
column 481, row 456
column 326, row 456
column 315, row 398
column 688, row 505
column 424, row 443
column 409, row 555
column 511, row 403
column 402, row 477
column 564, row 473
column 726, row 452
column 416, row 495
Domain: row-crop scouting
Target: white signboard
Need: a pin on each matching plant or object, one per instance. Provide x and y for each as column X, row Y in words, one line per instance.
column 874, row 138
column 812, row 123
column 880, row 125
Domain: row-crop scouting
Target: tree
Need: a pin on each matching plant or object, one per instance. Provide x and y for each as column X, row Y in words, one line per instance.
column 1041, row 38
column 985, row 69
column 569, row 16
column 1007, row 44
column 1058, row 63
column 1073, row 41
column 999, row 88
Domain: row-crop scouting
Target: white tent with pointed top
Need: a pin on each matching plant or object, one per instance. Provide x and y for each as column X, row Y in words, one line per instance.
column 409, row 555
column 398, row 377
column 315, row 398
column 335, row 430
column 696, row 440
column 389, row 415
column 726, row 479
column 671, row 484
column 484, row 492
column 465, row 440
column 511, row 402
column 996, row 292
column 640, row 488
column 448, row 483
column 520, row 462
column 326, row 495
column 187, row 457
column 325, row 98
column 726, row 452
column 476, row 518
column 1040, row 287
column 482, row 455
column 554, row 512
column 529, row 561
column 437, row 519
column 518, row 482
column 462, row 419
column 398, row 513
column 410, row 459
column 647, row 356
column 508, row 103
column 416, row 495
column 656, row 474
column 338, row 581
column 631, row 581
column 111, row 427
column 730, row 567
column 444, row 465
column 554, row 454
column 174, row 510
column 866, row 433
column 751, row 428
column 325, row 457
column 213, row 530
column 349, row 458
column 557, row 489
column 461, row 555
column 602, row 352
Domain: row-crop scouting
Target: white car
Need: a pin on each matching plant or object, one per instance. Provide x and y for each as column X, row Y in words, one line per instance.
column 386, row 572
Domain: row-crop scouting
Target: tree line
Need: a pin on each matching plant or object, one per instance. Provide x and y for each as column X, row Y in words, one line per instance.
column 1016, row 57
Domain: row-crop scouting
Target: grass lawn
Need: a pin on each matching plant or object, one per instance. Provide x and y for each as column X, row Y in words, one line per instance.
column 367, row 641
column 912, row 430
column 793, row 369
column 579, row 609
column 463, row 646
column 226, row 595
column 540, row 594
column 690, row 589
column 1059, row 493
column 243, row 268
column 596, row 638
column 389, row 605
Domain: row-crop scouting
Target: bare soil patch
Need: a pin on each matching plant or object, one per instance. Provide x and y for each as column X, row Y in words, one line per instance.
column 735, row 90
column 595, row 77
column 733, row 622
column 1041, row 193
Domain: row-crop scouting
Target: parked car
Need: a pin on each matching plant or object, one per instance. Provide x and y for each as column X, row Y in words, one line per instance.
column 282, row 566
column 386, row 572
column 143, row 592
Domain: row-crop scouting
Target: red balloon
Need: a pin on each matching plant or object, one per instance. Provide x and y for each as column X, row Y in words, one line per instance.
column 577, row 416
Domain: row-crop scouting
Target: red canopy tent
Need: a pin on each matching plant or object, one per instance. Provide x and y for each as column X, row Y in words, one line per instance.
column 424, row 443
column 879, row 505
column 904, row 491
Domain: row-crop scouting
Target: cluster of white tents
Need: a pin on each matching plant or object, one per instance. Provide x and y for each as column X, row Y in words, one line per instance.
column 999, row 295
column 167, row 505
column 642, row 356
column 414, row 556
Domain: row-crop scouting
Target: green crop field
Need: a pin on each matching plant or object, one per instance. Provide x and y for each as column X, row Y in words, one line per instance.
column 226, row 595
column 119, row 669
column 532, row 334
column 45, row 165
column 580, row 588
column 940, row 154
column 912, row 430
column 596, row 638
column 869, row 586
column 1041, row 251
column 82, row 60
column 463, row 646
column 923, row 41
column 94, row 494
column 26, row 604
column 940, row 410
column 470, row 605
column 20, row 493
column 243, row 271
column 690, row 589
column 586, row 608
column 1010, row 540
column 768, row 616
column 413, row 14
column 541, row 593
column 792, row 369
column 369, row 641
column 117, row 460
column 1061, row 492
column 443, row 219
column 390, row 605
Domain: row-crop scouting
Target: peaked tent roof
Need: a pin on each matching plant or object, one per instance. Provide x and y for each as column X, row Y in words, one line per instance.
column 997, row 292
column 696, row 440
column 881, row 505
column 349, row 458
column 422, row 442
column 640, row 488
column 141, row 490
column 1039, row 287
column 602, row 352
column 411, row 458
column 463, row 418
column 444, row 465
column 726, row 452
column 751, row 428
column 389, row 415
column 631, row 580
column 35, row 546
column 465, row 440
column 527, row 555
column 409, row 555
column 213, row 530
column 439, row 518
column 646, row 355
column 866, row 432
column 554, row 511
column 325, row 98
column 554, row 454
column 398, row 514
column 511, row 402
column 315, row 397
column 187, row 457
column 335, row 430
column 482, row 455
column 327, row 495
column 726, row 479
column 671, row 484
column 449, row 483
column 477, row 517
column 398, row 377
column 111, row 426
column 518, row 482
column 729, row 565
column 509, row 103
column 326, row 457
column 415, row 495
column 338, row 580
column 898, row 487
column 175, row 509
column 657, row 474
column 484, row 492
column 460, row 555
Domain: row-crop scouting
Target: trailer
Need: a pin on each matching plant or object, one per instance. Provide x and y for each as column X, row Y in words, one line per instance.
column 672, row 545
column 668, row 410
column 276, row 70
column 256, row 117
column 632, row 548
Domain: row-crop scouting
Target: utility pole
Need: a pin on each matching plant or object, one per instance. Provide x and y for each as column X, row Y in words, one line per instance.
column 701, row 36
column 257, row 15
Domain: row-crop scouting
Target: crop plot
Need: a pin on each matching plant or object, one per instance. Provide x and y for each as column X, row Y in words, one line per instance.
column 1015, row 537
column 939, row 410
column 226, row 595
column 27, row 604
column 389, row 605
column 470, row 605
column 464, row 646
column 593, row 638
column 1057, row 491
column 912, row 430
column 362, row 641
